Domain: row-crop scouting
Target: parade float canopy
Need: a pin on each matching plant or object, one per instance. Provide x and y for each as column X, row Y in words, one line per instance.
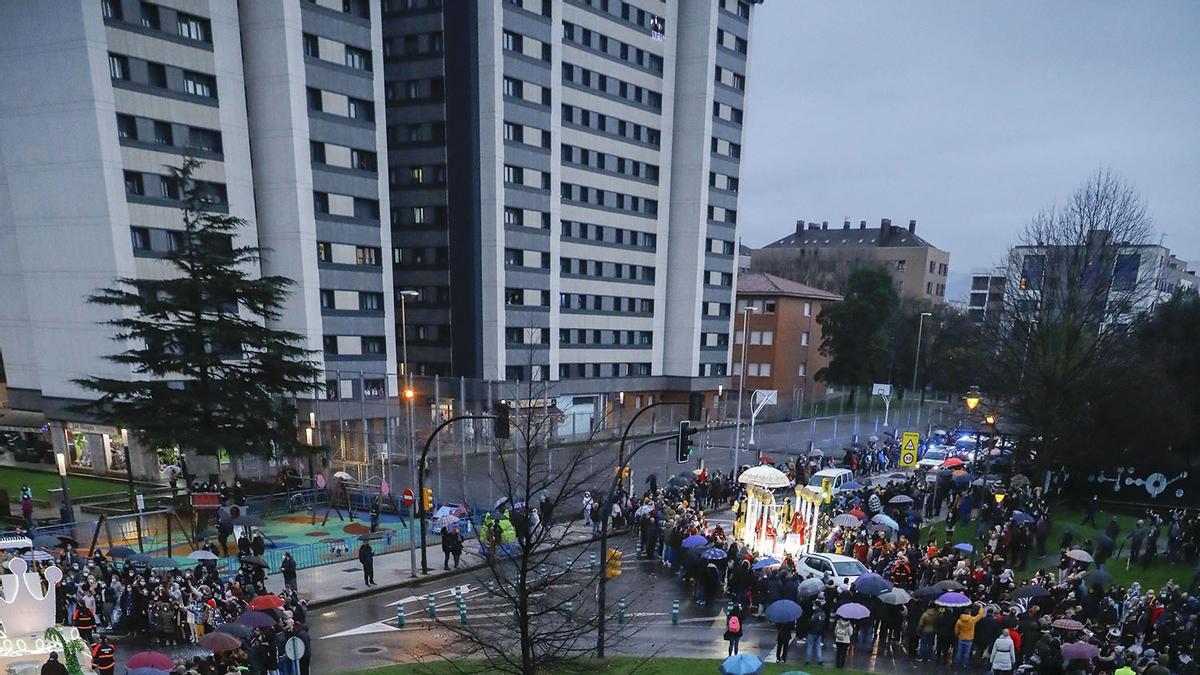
column 765, row 476
column 25, row 613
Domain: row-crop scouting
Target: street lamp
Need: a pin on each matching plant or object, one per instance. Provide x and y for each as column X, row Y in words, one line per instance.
column 408, row 396
column 973, row 398
column 66, row 513
column 917, row 359
column 737, row 438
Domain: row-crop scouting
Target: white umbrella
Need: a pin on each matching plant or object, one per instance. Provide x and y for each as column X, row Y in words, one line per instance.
column 37, row 555
column 202, row 555
column 765, row 476
column 896, row 596
column 343, row 475
column 643, row 510
column 1080, row 555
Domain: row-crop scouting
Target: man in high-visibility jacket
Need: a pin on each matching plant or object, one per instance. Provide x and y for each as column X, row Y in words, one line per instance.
column 104, row 656
column 85, row 620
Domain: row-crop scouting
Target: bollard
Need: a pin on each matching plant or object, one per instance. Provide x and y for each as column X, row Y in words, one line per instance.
column 621, row 611
column 431, row 606
column 639, row 548
column 568, row 606
column 674, row 612
column 545, row 571
column 728, row 608
column 491, row 586
column 592, row 561
column 400, row 615
column 462, row 614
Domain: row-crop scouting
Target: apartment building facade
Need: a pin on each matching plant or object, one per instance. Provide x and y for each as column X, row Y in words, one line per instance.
column 565, row 190
column 821, row 256
column 777, row 340
column 278, row 99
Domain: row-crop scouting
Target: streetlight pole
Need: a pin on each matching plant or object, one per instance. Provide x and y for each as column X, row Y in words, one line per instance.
column 917, row 359
column 67, row 514
column 737, row 436
column 407, row 395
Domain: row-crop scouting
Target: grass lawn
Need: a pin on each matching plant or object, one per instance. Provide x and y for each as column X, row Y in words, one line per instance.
column 1070, row 519
column 42, row 481
column 618, row 665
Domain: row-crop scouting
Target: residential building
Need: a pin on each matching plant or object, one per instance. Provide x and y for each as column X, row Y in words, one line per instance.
column 777, row 337
column 280, row 101
column 557, row 165
column 986, row 303
column 817, row 255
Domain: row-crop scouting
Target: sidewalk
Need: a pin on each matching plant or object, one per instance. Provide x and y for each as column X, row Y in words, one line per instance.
column 338, row 582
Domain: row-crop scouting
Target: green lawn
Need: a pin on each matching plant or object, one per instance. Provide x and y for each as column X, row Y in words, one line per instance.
column 616, row 666
column 1070, row 519
column 42, row 481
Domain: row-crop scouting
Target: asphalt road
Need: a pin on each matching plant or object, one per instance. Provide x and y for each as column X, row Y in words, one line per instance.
column 484, row 485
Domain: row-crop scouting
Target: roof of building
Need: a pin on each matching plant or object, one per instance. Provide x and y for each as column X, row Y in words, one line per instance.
column 744, row 249
column 758, row 283
column 855, row 236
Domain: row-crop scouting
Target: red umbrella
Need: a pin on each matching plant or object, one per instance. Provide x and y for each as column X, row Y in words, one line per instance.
column 216, row 642
column 156, row 660
column 766, row 459
column 952, row 462
column 265, row 602
column 858, row 513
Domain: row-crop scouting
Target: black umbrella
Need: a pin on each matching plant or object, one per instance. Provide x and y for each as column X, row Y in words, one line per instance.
column 257, row 561
column 45, row 541
column 651, row 477
column 927, row 593
column 235, row 629
column 1029, row 591
column 948, row 585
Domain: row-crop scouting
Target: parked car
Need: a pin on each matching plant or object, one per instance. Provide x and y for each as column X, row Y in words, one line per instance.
column 841, row 568
column 836, row 477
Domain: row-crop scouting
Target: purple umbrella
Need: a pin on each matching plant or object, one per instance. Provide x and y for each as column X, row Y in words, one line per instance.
column 872, row 584
column 254, row 619
column 695, row 540
column 1084, row 651
column 953, row 600
column 853, row 611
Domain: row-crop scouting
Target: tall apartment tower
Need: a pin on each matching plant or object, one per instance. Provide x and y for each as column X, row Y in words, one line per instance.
column 277, row 97
column 565, row 186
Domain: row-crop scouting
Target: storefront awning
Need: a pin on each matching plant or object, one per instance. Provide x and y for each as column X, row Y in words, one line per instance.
column 21, row 420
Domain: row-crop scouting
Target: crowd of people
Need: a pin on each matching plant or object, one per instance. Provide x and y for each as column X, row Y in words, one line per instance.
column 1017, row 601
column 119, row 595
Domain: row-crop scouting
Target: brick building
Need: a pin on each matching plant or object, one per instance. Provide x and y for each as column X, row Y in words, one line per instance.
column 783, row 350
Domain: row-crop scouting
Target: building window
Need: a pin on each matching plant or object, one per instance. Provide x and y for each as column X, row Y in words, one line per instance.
column 126, row 126
column 163, row 134
column 330, row 345
column 366, row 255
column 769, row 307
column 373, row 344
column 156, row 75
column 312, row 46
column 768, row 337
column 193, row 28
column 803, row 372
column 370, row 302
column 363, row 160
column 808, row 309
column 140, row 237
column 327, row 299
column 1125, row 272
column 314, row 99
column 150, row 16
column 133, row 183
column 359, row 59
column 361, row 110
column 324, row 252
column 111, row 9
column 118, row 67
column 804, row 339
column 198, row 84
column 901, row 265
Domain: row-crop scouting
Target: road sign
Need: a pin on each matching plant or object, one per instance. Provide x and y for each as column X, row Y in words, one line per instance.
column 294, row 648
column 408, row 497
column 141, row 502
column 909, row 441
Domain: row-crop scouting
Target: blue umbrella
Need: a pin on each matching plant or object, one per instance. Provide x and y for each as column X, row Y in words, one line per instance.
column 764, row 563
column 965, row 478
column 139, row 559
column 852, row 485
column 1021, row 518
column 872, row 584
column 742, row 664
column 783, row 611
column 714, row 554
column 883, row 519
column 695, row 540
column 964, row 547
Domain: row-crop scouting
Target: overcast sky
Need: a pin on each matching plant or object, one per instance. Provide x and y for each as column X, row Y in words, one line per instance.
column 968, row 116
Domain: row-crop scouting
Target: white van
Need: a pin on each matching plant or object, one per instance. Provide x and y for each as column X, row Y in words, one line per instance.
column 836, row 477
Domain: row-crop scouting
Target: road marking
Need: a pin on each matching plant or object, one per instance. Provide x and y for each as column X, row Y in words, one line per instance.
column 366, row 629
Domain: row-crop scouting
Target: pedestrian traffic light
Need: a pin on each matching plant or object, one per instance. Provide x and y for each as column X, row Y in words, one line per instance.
column 500, row 420
column 683, row 443
column 612, row 567
column 427, row 500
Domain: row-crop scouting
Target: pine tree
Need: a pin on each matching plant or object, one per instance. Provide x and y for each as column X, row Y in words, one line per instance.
column 208, row 371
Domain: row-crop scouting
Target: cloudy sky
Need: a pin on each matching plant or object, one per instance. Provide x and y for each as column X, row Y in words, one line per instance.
column 969, row 116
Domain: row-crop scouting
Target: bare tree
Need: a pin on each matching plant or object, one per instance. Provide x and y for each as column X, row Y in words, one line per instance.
column 541, row 587
column 1078, row 277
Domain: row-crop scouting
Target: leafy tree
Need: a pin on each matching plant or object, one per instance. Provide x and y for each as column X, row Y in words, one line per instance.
column 952, row 352
column 208, row 371
column 855, row 330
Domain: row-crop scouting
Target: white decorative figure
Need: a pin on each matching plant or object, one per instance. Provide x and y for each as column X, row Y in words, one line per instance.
column 25, row 610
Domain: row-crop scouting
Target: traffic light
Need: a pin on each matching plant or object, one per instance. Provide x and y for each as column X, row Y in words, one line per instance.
column 612, row 567
column 683, row 443
column 500, row 420
column 427, row 500
column 623, row 472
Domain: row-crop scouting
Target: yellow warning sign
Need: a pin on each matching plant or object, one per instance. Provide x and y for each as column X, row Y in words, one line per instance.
column 909, row 441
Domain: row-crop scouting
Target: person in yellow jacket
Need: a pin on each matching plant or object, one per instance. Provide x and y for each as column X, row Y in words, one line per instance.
column 964, row 630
